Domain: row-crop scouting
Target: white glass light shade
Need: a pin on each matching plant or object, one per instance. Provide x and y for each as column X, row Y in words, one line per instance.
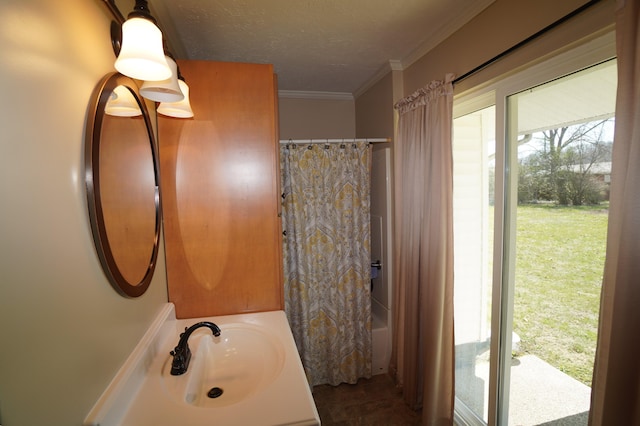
column 165, row 90
column 121, row 103
column 142, row 53
column 180, row 109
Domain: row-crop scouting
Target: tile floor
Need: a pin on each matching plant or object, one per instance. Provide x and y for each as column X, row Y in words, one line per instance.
column 374, row 401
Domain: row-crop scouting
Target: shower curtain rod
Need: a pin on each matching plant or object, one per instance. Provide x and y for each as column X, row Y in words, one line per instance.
column 526, row 41
column 310, row 141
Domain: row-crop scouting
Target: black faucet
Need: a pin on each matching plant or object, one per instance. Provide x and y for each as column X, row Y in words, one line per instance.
column 181, row 353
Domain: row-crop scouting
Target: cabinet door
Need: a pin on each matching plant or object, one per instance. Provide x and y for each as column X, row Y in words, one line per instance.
column 219, row 176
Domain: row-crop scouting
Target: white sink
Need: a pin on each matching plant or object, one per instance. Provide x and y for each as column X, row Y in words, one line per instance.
column 254, row 362
column 240, row 362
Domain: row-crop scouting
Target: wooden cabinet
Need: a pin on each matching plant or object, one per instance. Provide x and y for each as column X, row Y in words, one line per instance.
column 219, row 177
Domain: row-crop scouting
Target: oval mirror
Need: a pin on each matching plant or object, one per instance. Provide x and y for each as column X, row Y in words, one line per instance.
column 121, row 172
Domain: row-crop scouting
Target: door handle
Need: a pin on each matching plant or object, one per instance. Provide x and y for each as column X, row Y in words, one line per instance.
column 376, row 265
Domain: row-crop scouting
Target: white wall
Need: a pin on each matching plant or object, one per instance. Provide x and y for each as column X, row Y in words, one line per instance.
column 64, row 331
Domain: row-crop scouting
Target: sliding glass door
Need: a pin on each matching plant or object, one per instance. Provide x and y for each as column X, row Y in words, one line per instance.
column 474, row 171
column 531, row 170
column 560, row 136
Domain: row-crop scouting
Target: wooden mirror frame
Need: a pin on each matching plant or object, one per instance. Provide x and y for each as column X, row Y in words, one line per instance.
column 93, row 132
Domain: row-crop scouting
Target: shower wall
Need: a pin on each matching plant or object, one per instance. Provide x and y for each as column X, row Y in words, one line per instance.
column 381, row 253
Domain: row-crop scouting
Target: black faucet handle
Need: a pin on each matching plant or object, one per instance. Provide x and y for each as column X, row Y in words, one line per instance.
column 181, row 353
column 181, row 358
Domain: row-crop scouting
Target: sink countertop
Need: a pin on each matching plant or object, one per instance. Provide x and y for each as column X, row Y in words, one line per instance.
column 139, row 397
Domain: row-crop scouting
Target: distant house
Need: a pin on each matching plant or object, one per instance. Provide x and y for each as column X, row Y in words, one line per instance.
column 601, row 171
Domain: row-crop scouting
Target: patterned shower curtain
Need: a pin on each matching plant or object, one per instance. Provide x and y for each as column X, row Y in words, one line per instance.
column 327, row 262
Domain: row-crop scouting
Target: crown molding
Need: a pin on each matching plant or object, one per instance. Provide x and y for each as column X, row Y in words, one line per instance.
column 432, row 41
column 300, row 94
column 392, row 65
column 445, row 31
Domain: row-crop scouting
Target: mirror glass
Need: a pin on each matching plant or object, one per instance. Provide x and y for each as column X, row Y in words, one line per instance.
column 123, row 185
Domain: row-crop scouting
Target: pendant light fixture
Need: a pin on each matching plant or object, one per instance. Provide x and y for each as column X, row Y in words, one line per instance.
column 139, row 49
column 121, row 103
column 164, row 90
column 180, row 109
column 142, row 54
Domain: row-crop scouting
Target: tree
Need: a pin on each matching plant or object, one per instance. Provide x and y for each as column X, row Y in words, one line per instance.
column 560, row 168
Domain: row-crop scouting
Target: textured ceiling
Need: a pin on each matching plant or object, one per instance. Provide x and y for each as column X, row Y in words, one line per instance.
column 314, row 45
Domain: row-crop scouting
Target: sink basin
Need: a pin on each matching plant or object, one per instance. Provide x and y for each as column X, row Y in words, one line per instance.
column 240, row 362
column 253, row 367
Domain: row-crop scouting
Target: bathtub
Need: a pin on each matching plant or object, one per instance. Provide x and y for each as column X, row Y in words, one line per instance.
column 380, row 341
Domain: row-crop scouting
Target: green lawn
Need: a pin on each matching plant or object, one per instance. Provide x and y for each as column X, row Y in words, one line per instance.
column 559, row 264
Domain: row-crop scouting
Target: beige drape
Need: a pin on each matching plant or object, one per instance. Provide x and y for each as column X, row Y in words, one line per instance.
column 423, row 350
column 615, row 396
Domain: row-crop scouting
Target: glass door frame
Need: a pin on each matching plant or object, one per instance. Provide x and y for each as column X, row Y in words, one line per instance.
column 592, row 52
